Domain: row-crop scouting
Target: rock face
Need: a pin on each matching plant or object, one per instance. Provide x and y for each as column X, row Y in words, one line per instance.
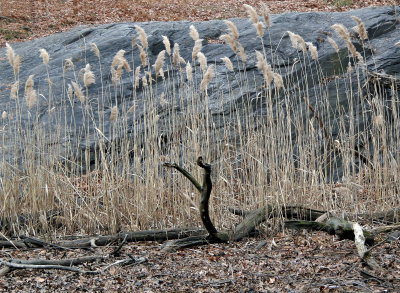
column 72, row 127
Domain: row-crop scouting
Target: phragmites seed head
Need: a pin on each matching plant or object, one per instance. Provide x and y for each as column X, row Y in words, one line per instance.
column 196, row 49
column 68, row 64
column 143, row 55
column 297, row 41
column 242, row 53
column 176, row 55
column 194, row 33
column 14, row 90
column 4, row 115
column 78, row 92
column 342, row 31
column 117, row 58
column 88, row 76
column 142, row 37
column 230, row 41
column 159, row 62
column 114, row 114
column 362, row 32
column 45, row 56
column 202, row 60
column 70, row 91
column 265, row 14
column 137, row 76
column 144, row 81
column 313, row 50
column 228, row 63
column 17, row 64
column 252, row 13
column 397, row 44
column 359, row 57
column 167, row 44
column 10, row 54
column 189, row 71
column 31, row 98
column 278, row 80
column 260, row 27
column 95, row 49
column 29, row 83
column 351, row 48
column 333, row 43
column 261, row 63
column 207, row 78
column 233, row 31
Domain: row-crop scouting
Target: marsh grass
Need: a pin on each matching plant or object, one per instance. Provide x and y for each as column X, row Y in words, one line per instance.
column 48, row 186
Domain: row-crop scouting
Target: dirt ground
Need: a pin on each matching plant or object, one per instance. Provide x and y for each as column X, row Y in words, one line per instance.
column 302, row 262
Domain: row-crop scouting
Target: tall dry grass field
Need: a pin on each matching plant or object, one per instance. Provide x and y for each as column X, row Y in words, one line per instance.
column 44, row 188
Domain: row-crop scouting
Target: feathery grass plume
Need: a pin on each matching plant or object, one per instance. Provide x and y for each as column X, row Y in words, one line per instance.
column 228, row 63
column 14, row 90
column 265, row 68
column 29, row 83
column 260, row 61
column 189, row 72
column 45, row 56
column 359, row 57
column 95, row 49
column 242, row 53
column 278, row 80
column 78, row 92
column 233, row 31
column 114, row 114
column 265, row 14
column 397, row 44
column 352, row 49
column 118, row 58
column 297, row 41
column 260, row 27
column 202, row 60
column 333, row 43
column 137, row 77
column 252, row 13
column 142, row 37
column 15, row 60
column 68, row 64
column 30, row 93
column 88, row 76
column 313, row 50
column 143, row 55
column 70, row 91
column 194, row 34
column 362, row 32
column 167, row 44
column 159, row 62
column 144, row 81
column 161, row 73
column 207, row 78
column 176, row 55
column 342, row 31
column 230, row 41
column 4, row 115
column 196, row 49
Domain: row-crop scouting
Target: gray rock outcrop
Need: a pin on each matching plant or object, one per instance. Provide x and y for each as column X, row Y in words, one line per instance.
column 81, row 129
